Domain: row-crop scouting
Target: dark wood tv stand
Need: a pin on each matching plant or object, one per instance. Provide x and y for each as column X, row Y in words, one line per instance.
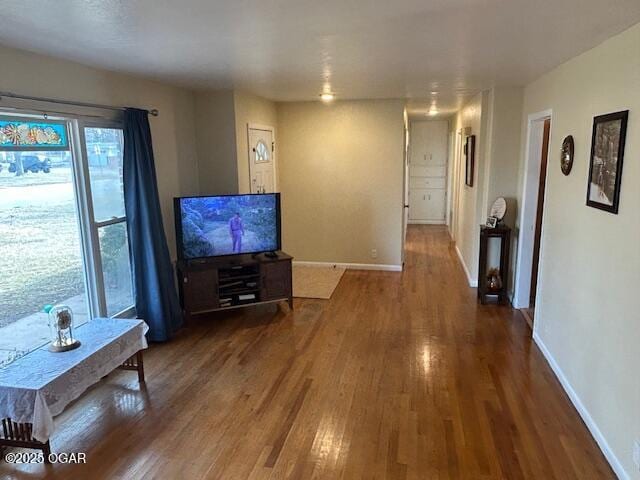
column 234, row 281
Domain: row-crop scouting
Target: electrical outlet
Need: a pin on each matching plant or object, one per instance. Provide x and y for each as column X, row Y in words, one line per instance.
column 374, row 253
column 636, row 454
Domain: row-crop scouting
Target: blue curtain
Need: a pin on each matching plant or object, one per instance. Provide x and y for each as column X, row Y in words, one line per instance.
column 153, row 278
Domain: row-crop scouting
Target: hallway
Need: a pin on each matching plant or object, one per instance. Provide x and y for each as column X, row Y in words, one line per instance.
column 397, row 376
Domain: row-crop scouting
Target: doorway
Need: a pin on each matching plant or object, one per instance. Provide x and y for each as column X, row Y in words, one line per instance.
column 532, row 213
column 405, row 184
column 542, row 181
column 262, row 159
column 428, row 172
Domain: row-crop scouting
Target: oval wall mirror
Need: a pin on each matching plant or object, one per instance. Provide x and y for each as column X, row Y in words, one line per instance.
column 566, row 155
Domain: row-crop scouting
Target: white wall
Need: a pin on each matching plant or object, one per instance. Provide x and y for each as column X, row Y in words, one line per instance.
column 341, row 172
column 587, row 315
column 467, row 199
column 502, row 166
column 173, row 130
column 494, row 117
column 504, row 150
column 451, row 159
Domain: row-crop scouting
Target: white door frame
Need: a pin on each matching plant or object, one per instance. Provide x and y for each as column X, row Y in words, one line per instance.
column 267, row 128
column 405, row 184
column 457, row 169
column 451, row 148
column 529, row 210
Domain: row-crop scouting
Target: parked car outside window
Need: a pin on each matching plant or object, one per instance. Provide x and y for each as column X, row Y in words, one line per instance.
column 31, row 163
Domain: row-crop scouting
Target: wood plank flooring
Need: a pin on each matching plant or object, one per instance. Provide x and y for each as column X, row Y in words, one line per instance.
column 399, row 376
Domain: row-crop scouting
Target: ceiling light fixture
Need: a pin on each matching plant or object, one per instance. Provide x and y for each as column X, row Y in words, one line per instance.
column 433, row 111
column 327, row 96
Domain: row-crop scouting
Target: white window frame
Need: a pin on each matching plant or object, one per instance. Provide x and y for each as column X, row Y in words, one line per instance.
column 87, row 225
column 91, row 227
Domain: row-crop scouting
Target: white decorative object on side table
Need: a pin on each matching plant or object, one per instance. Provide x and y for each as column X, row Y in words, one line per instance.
column 37, row 387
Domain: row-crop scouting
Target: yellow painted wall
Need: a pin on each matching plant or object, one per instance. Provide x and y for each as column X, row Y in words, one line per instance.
column 216, row 141
column 341, row 172
column 250, row 109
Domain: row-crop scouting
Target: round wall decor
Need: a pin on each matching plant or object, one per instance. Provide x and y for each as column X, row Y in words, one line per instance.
column 566, row 155
column 499, row 208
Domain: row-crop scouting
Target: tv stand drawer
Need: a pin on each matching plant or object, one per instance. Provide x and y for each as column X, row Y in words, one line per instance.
column 201, row 289
column 276, row 280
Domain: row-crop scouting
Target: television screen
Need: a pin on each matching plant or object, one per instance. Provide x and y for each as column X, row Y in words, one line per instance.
column 227, row 225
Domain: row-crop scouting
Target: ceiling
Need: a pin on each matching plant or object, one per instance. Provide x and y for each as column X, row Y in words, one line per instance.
column 293, row 49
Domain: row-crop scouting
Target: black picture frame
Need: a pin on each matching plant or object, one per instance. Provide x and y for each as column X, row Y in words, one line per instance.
column 566, row 155
column 605, row 164
column 470, row 159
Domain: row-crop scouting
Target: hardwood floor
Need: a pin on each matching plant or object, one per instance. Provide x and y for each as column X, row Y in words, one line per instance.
column 397, row 376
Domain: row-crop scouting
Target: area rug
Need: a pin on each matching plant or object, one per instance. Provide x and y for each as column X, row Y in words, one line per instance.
column 315, row 282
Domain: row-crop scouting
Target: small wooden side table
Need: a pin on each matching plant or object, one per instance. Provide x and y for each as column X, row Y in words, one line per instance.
column 502, row 232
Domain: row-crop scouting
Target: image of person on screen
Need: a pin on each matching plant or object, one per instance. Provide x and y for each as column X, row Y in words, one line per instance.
column 236, row 230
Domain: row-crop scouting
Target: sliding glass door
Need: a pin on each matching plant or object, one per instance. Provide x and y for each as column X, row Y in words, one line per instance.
column 41, row 260
column 63, row 236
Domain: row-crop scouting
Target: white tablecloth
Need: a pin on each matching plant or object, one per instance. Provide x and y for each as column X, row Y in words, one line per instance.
column 38, row 386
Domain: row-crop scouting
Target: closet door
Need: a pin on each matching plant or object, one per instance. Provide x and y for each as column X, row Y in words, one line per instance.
column 427, row 172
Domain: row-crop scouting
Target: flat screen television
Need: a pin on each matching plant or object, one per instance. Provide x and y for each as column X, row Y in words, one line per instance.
column 227, row 225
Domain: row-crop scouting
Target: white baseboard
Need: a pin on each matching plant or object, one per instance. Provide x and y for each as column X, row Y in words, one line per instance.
column 472, row 283
column 584, row 413
column 352, row 266
column 426, row 222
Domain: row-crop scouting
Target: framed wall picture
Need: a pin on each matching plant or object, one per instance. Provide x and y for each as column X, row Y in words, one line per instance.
column 470, row 156
column 605, row 167
column 492, row 222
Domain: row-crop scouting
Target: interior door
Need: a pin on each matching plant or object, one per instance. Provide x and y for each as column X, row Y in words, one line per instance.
column 262, row 160
column 538, row 228
column 405, row 186
column 428, row 172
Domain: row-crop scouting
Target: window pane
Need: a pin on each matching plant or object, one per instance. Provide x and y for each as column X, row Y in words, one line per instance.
column 262, row 152
column 104, row 154
column 40, row 253
column 116, row 268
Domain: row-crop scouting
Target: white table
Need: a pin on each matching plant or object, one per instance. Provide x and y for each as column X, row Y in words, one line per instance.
column 37, row 387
